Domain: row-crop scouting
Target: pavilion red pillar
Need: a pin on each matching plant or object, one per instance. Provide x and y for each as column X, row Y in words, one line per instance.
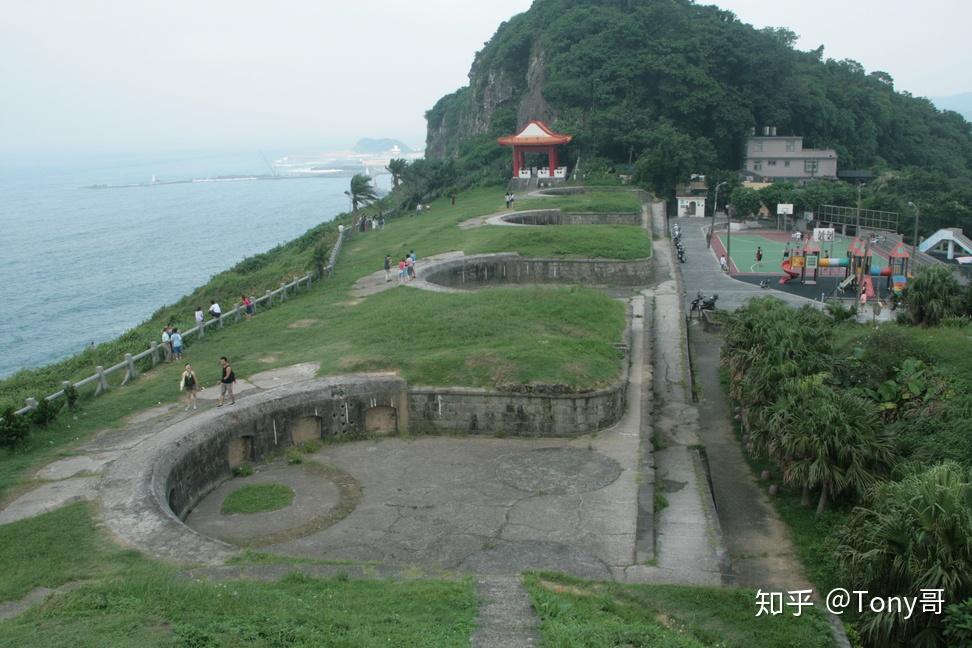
column 516, row 162
column 552, row 159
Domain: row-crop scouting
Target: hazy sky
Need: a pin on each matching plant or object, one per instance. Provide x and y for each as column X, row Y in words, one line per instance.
column 132, row 75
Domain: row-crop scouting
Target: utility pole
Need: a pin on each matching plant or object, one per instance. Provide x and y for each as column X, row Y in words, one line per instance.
column 729, row 237
column 914, row 241
column 857, row 230
column 715, row 206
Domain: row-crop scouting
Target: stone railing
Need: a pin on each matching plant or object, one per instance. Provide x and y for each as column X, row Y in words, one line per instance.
column 156, row 354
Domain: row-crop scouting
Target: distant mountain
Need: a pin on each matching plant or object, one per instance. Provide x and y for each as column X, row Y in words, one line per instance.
column 379, row 145
column 960, row 103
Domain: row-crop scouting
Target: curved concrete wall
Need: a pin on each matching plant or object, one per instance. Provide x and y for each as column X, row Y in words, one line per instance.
column 557, row 217
column 149, row 489
column 492, row 269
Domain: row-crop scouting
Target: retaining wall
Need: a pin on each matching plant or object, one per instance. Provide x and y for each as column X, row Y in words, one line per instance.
column 492, row 269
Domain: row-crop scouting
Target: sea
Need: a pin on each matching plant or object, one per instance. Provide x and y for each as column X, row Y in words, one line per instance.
column 79, row 266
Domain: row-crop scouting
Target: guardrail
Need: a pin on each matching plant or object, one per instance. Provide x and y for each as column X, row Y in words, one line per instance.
column 156, row 354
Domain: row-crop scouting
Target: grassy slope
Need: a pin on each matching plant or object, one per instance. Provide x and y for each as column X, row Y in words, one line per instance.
column 132, row 601
column 578, row 614
column 429, row 233
column 552, row 335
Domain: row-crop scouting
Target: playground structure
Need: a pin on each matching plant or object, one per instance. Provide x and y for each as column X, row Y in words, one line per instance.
column 805, row 260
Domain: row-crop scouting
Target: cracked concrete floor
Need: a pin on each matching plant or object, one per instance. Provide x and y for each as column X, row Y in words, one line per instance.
column 460, row 503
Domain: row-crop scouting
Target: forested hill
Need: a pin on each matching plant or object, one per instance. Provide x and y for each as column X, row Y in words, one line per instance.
column 625, row 76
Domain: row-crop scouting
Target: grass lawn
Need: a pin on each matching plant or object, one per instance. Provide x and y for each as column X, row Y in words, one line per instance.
column 575, row 613
column 137, row 602
column 257, row 498
column 596, row 200
column 54, row 548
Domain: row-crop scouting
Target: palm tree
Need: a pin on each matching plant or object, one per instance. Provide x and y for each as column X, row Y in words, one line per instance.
column 826, row 438
column 913, row 534
column 362, row 191
column 396, row 168
column 933, row 295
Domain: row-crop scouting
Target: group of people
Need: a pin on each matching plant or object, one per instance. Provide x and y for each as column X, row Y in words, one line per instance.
column 509, row 199
column 171, row 343
column 406, row 267
column 365, row 223
column 189, row 384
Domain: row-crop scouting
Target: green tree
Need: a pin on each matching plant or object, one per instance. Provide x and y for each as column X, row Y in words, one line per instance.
column 396, row 168
column 911, row 535
column 933, row 295
column 670, row 158
column 361, row 192
column 745, row 201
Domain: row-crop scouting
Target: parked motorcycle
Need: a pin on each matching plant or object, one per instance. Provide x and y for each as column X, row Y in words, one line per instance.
column 681, row 254
column 709, row 303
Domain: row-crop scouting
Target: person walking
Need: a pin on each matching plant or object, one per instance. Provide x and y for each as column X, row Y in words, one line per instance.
column 226, row 381
column 189, row 384
column 759, row 256
column 387, row 268
column 167, row 344
column 401, row 270
column 214, row 310
column 411, row 254
column 724, row 263
column 200, row 317
column 409, row 268
column 247, row 306
column 175, row 339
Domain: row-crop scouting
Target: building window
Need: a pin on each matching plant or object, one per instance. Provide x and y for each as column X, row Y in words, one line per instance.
column 757, row 165
column 786, row 163
column 757, row 147
column 772, row 162
column 790, row 146
column 810, row 166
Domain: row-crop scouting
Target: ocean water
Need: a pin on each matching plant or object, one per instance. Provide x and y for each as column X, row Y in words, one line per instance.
column 80, row 266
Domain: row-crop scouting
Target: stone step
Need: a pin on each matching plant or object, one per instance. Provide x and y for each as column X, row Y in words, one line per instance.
column 506, row 615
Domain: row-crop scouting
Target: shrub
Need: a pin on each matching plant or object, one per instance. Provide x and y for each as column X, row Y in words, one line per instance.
column 71, row 396
column 45, row 412
column 13, row 428
column 840, row 313
column 958, row 624
column 932, row 296
column 243, row 470
column 913, row 534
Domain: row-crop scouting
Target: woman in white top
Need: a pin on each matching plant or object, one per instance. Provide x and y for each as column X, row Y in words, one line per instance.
column 200, row 316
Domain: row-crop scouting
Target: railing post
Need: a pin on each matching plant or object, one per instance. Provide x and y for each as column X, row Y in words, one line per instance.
column 31, row 403
column 283, row 291
column 220, row 318
column 131, row 373
column 102, row 380
column 155, row 352
column 269, row 299
column 237, row 311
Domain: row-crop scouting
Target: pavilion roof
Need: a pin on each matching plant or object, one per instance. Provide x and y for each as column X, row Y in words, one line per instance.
column 535, row 133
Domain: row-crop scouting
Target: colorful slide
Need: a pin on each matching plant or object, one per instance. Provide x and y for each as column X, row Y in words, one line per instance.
column 791, row 274
column 869, row 287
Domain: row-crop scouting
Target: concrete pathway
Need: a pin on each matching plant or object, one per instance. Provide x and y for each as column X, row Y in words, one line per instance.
column 506, row 615
column 688, row 540
column 375, row 282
